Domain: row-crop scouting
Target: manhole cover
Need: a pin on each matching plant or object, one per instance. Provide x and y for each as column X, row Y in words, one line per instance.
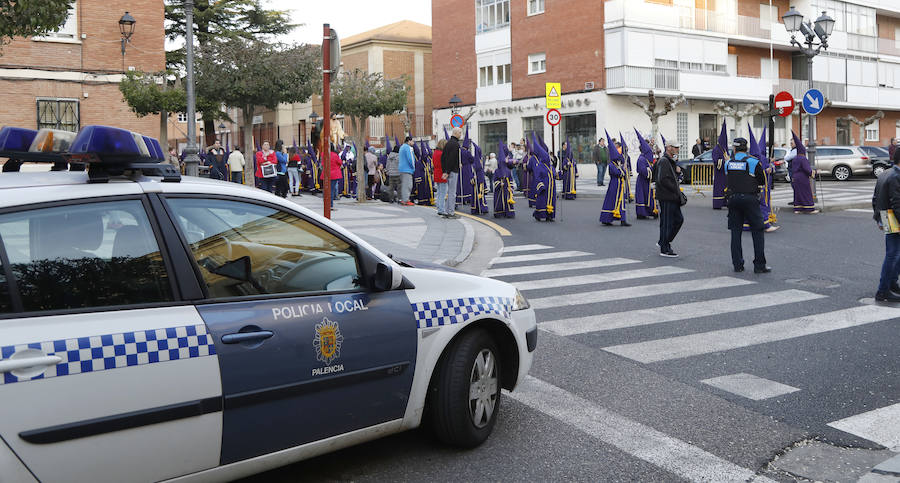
column 814, row 282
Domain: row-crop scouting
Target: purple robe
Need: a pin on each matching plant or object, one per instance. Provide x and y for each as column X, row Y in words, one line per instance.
column 465, row 187
column 614, row 203
column 311, row 174
column 423, row 183
column 719, row 183
column 479, row 192
column 544, row 192
column 644, row 196
column 569, row 173
column 800, row 182
column 531, row 162
column 504, row 200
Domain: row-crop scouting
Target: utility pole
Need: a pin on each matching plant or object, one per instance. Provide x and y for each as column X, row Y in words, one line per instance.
column 326, row 118
column 191, row 159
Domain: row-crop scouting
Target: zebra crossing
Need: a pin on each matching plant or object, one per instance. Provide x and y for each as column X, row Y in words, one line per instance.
column 559, row 282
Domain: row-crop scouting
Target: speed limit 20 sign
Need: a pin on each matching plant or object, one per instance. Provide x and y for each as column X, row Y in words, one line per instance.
column 553, row 117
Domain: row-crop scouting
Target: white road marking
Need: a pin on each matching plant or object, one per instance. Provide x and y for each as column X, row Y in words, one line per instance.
column 554, row 267
column 860, row 210
column 600, row 278
column 750, row 386
column 637, row 292
column 727, row 339
column 668, row 453
column 537, row 257
column 524, row 248
column 880, row 425
column 670, row 313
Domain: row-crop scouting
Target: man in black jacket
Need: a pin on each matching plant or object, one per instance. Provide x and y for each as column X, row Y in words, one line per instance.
column 887, row 197
column 668, row 193
column 450, row 167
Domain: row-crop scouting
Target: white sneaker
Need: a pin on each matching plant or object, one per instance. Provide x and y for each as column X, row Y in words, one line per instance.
column 772, row 228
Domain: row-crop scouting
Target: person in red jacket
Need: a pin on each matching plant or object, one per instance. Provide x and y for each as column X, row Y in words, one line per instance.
column 440, row 178
column 336, row 173
column 266, row 174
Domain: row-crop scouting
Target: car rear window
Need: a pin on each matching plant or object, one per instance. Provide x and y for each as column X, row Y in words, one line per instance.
column 5, row 305
column 86, row 255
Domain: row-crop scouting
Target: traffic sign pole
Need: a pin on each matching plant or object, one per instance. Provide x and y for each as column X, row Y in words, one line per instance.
column 813, row 104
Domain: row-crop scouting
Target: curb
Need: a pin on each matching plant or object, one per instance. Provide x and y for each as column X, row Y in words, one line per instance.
column 468, row 242
column 829, row 207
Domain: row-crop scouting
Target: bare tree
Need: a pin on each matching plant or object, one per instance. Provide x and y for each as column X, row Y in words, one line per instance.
column 649, row 107
column 739, row 112
column 862, row 124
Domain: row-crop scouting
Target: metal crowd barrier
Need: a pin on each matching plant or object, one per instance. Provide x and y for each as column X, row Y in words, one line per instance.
column 702, row 177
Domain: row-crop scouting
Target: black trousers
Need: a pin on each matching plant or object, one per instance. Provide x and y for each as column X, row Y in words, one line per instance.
column 670, row 221
column 744, row 208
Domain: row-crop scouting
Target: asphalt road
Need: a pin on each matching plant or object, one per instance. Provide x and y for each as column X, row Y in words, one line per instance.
column 621, row 397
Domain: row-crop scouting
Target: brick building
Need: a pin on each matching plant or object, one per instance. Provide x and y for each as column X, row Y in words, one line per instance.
column 496, row 56
column 69, row 79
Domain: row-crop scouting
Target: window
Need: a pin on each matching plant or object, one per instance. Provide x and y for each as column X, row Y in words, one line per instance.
column 835, row 9
column 769, row 68
column 768, row 15
column 89, row 255
column 860, row 20
column 681, row 120
column 247, row 249
column 872, row 132
column 537, row 63
column 58, row 114
column 491, row 14
column 504, row 74
column 535, row 7
column 531, row 125
column 182, row 117
column 68, row 30
column 486, row 75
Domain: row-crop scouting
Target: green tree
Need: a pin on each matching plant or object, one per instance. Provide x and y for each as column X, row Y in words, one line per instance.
column 360, row 95
column 249, row 74
column 218, row 20
column 26, row 18
column 153, row 93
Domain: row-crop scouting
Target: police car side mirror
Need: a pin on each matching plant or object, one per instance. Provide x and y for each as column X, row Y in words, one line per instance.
column 383, row 280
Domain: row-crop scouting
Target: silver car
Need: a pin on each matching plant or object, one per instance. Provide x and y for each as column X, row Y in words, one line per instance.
column 842, row 162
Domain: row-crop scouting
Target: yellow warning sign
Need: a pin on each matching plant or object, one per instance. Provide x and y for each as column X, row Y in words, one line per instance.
column 554, row 95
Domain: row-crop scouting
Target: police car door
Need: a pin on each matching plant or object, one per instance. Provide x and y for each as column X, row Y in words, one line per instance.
column 104, row 375
column 305, row 351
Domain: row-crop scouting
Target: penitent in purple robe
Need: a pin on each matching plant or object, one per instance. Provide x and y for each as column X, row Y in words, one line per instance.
column 544, row 183
column 719, row 179
column 801, row 173
column 504, row 202
column 644, row 196
column 479, row 191
column 614, row 203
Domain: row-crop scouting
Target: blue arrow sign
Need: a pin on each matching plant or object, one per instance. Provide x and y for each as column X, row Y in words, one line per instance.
column 813, row 101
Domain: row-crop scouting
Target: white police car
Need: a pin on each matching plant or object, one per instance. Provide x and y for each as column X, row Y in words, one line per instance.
column 155, row 328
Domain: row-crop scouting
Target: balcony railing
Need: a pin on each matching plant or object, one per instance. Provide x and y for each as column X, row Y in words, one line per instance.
column 863, row 43
column 889, row 47
column 689, row 18
column 629, row 76
column 833, row 91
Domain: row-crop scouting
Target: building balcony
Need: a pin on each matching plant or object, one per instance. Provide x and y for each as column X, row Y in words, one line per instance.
column 835, row 92
column 672, row 17
column 889, row 47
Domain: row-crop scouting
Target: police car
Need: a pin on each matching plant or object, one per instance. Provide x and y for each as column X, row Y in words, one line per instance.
column 154, row 327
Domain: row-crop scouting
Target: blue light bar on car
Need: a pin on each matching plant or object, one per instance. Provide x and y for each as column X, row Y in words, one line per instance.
column 108, row 145
column 156, row 151
column 15, row 140
column 52, row 141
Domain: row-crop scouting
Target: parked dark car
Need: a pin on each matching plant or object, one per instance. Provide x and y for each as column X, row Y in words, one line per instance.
column 880, row 158
column 685, row 165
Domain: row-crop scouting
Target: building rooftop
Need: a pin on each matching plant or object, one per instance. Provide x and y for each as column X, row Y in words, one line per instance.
column 403, row 31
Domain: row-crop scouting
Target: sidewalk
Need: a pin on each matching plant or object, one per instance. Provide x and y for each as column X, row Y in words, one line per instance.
column 412, row 232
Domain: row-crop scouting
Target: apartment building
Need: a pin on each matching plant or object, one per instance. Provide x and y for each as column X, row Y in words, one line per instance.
column 70, row 78
column 717, row 53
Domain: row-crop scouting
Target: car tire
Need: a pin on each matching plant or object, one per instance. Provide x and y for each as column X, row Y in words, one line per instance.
column 877, row 170
column 841, row 172
column 465, row 391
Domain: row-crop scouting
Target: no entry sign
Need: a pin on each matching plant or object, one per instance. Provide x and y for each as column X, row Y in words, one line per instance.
column 553, row 117
column 784, row 102
column 457, row 121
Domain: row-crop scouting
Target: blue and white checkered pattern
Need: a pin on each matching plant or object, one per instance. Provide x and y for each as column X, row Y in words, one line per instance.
column 115, row 351
column 455, row 311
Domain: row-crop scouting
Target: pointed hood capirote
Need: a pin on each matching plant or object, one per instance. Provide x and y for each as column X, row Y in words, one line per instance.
column 763, row 147
column 614, row 154
column 663, row 140
column 721, row 146
column 466, row 141
column 446, row 136
column 538, row 150
column 801, row 149
column 645, row 148
column 568, row 153
column 624, row 144
column 753, row 147
column 387, row 144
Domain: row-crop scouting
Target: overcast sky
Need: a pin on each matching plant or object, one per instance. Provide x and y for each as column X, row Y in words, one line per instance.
column 348, row 17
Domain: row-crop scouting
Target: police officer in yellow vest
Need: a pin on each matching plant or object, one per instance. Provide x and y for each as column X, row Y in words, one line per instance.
column 744, row 175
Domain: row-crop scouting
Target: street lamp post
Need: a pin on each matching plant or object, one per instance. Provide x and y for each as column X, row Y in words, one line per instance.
column 191, row 159
column 454, row 101
column 126, row 28
column 222, row 133
column 821, row 30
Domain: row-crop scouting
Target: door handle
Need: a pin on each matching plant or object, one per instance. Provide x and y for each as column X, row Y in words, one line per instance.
column 238, row 337
column 10, row 365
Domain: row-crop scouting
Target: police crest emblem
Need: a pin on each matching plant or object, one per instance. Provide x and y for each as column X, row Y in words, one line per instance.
column 327, row 341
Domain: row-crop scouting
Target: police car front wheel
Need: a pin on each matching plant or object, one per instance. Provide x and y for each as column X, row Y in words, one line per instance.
column 465, row 391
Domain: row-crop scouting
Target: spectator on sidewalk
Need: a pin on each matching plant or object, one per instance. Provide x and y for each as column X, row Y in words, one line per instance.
column 293, row 171
column 372, row 170
column 450, row 167
column 336, row 174
column 892, row 147
column 440, row 178
column 490, row 165
column 236, row 163
column 697, row 150
column 407, row 167
column 887, row 197
column 216, row 160
column 393, row 171
column 600, row 156
column 266, row 167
